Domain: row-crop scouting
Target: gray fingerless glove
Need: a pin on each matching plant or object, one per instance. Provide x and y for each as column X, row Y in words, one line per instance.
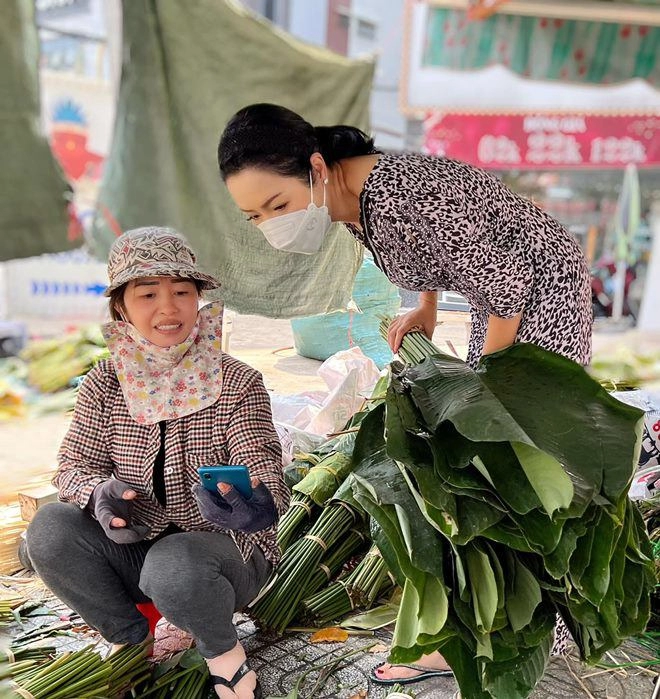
column 106, row 502
column 233, row 511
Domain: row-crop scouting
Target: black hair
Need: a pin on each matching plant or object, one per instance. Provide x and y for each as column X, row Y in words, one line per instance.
column 116, row 298
column 274, row 137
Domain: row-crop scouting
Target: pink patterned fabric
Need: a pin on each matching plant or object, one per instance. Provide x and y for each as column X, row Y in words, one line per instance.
column 164, row 383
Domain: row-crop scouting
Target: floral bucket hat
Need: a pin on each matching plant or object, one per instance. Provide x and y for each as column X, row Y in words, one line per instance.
column 153, row 252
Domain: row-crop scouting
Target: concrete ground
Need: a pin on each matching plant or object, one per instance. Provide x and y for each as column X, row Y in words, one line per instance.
column 281, row 661
column 27, row 454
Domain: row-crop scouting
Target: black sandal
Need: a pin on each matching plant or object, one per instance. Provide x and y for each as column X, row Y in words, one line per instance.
column 238, row 676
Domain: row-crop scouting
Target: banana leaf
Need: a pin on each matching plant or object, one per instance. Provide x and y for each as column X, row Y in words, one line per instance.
column 526, row 395
column 501, row 499
column 322, row 480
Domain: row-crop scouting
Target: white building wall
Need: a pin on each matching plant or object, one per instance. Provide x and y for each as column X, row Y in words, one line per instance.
column 308, row 20
column 376, row 28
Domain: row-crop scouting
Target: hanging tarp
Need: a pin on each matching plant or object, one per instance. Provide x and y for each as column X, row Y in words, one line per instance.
column 33, row 191
column 543, row 48
column 187, row 68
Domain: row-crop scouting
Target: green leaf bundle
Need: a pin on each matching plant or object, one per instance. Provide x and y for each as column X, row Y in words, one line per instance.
column 501, row 496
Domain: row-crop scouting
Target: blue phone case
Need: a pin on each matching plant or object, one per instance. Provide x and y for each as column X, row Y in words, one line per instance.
column 236, row 476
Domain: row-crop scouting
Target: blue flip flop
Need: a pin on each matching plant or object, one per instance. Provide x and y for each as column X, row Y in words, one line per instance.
column 425, row 674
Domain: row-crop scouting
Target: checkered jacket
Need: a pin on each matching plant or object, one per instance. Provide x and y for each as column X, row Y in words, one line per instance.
column 104, row 440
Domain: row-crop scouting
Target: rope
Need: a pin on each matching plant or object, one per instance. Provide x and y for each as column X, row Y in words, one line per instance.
column 317, row 540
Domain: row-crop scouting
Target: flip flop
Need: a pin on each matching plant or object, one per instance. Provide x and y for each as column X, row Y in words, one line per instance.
column 238, row 676
column 425, row 674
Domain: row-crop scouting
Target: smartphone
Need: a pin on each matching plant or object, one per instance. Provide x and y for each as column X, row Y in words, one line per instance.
column 236, row 476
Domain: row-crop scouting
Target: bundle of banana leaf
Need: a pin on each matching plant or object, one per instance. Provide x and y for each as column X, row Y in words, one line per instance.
column 501, row 496
column 82, row 674
column 625, row 368
column 279, row 601
column 52, row 364
column 368, row 581
column 185, row 676
column 9, row 603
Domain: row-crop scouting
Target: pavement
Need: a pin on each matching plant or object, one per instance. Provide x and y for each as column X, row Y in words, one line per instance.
column 281, row 661
column 27, row 453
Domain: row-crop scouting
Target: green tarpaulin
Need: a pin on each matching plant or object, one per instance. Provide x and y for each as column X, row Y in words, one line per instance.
column 188, row 66
column 543, row 48
column 33, row 191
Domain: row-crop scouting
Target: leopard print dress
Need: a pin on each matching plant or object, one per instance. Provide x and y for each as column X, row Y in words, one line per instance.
column 434, row 224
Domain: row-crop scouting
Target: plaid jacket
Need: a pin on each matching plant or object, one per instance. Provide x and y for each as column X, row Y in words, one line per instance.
column 104, row 440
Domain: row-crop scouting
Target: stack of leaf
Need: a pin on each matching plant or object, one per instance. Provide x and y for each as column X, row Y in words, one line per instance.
column 360, row 588
column 81, row 674
column 501, row 496
column 52, row 364
column 37, row 672
column 185, row 676
column 626, row 368
column 319, row 533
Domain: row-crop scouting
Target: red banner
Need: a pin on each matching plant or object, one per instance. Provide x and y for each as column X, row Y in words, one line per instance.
column 511, row 142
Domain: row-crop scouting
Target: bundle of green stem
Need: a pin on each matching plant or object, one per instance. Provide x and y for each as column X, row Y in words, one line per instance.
column 301, row 512
column 280, row 599
column 335, row 559
column 53, row 363
column 329, row 466
column 8, row 603
column 415, row 347
column 83, row 674
column 361, row 588
column 183, row 677
column 16, row 659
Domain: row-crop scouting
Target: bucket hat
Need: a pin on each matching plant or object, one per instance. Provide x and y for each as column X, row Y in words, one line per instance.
column 153, row 252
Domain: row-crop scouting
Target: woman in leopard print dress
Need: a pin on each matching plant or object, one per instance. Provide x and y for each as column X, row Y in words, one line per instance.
column 431, row 224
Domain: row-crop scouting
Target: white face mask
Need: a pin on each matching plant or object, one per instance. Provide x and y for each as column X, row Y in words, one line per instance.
column 300, row 231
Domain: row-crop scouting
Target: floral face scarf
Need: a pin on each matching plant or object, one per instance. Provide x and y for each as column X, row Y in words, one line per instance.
column 164, row 383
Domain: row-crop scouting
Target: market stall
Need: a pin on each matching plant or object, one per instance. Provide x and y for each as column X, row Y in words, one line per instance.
column 556, row 98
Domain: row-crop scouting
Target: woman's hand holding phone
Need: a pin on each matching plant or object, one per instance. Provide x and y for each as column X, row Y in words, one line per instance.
column 229, row 509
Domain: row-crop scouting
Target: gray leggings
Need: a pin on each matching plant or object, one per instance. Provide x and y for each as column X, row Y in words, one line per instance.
column 197, row 580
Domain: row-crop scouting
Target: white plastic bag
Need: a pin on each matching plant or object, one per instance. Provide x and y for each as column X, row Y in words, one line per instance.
column 351, row 377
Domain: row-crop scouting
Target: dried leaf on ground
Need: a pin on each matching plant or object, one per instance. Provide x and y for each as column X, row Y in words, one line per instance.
column 331, row 634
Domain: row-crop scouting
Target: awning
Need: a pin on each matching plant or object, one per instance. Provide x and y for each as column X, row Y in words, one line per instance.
column 543, row 141
column 542, row 47
column 520, row 63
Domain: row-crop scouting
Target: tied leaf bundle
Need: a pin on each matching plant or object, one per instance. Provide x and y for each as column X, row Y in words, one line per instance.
column 331, row 465
column 322, row 529
column 369, row 580
column 501, row 496
column 83, row 674
column 9, row 604
column 52, row 364
column 16, row 660
column 278, row 602
column 185, row 676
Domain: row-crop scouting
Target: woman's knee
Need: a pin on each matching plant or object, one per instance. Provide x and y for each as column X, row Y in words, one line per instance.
column 51, row 530
column 173, row 563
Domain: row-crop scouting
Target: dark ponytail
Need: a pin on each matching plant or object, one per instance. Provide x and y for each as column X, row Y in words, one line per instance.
column 338, row 142
column 273, row 137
